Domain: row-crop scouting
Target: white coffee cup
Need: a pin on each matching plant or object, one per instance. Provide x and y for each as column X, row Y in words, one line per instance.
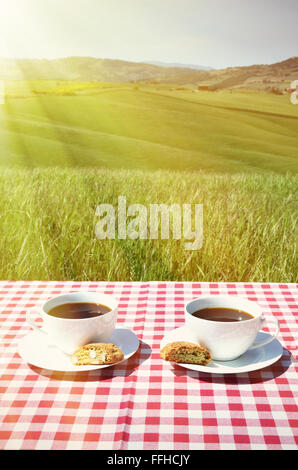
column 70, row 334
column 227, row 340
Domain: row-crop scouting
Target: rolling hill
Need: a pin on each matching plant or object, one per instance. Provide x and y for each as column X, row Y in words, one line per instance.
column 178, row 64
column 149, row 127
column 257, row 77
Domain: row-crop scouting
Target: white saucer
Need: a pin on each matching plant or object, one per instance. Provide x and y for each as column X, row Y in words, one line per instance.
column 36, row 351
column 251, row 360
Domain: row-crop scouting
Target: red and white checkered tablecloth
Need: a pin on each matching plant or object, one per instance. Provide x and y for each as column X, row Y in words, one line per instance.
column 146, row 403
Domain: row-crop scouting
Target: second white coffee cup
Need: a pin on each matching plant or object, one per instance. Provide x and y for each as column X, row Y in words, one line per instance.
column 227, row 340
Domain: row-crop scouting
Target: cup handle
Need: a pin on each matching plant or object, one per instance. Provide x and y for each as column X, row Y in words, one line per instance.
column 32, row 323
column 271, row 337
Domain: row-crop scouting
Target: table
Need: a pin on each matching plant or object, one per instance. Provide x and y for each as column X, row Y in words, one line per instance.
column 146, row 403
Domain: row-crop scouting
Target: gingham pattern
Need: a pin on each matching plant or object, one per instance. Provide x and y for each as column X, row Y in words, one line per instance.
column 145, row 403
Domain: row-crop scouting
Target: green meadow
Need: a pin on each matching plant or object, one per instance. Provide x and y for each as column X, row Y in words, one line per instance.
column 66, row 147
column 49, row 123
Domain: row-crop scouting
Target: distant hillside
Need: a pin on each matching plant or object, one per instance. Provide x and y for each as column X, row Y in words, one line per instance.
column 262, row 77
column 89, row 68
column 184, row 66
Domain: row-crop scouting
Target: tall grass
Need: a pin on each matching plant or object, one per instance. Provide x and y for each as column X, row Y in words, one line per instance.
column 47, row 226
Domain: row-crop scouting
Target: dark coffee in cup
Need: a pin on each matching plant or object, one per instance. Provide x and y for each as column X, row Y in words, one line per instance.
column 78, row 310
column 222, row 314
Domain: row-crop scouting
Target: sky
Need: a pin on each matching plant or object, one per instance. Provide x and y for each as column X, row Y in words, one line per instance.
column 215, row 33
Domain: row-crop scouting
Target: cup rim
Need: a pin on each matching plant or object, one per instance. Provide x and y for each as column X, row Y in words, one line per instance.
column 108, row 296
column 225, row 297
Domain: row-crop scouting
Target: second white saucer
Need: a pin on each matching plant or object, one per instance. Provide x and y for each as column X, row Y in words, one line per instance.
column 249, row 361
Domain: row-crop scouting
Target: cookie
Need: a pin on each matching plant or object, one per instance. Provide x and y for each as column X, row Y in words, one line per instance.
column 184, row 352
column 97, row 354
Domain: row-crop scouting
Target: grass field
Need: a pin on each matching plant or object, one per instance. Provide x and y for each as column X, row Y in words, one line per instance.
column 146, row 128
column 67, row 147
column 47, row 226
